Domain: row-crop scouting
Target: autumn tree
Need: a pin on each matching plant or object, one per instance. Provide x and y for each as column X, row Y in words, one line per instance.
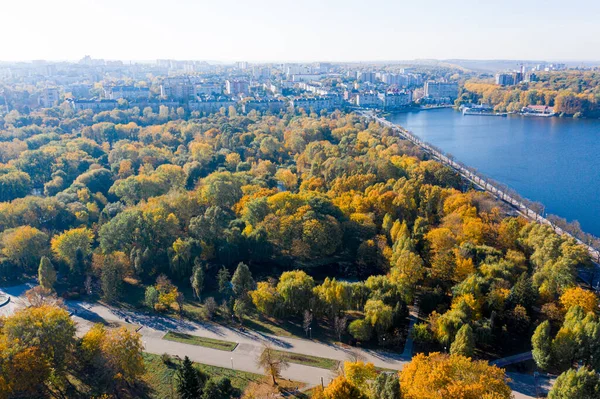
column 265, row 298
column 578, row 296
column 341, row 388
column 46, row 327
column 65, row 245
column 116, row 354
column 437, row 376
column 360, row 373
column 271, row 363
column 24, row 246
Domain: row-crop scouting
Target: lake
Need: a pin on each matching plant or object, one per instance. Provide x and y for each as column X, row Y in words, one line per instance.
column 555, row 161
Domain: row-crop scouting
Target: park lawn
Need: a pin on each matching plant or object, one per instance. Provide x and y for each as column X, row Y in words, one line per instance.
column 161, row 377
column 307, row 360
column 200, row 341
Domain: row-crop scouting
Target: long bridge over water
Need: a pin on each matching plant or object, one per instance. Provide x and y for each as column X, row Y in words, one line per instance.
column 478, row 181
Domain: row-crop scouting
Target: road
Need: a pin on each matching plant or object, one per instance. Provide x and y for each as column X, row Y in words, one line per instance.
column 250, row 343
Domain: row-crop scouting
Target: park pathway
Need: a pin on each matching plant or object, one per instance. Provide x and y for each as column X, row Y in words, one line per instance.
column 153, row 327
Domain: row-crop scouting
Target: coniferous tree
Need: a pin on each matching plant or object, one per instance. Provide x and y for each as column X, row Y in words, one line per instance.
column 190, row 380
column 223, row 277
column 523, row 293
column 242, row 280
column 220, row 388
column 197, row 278
column 386, row 386
column 464, row 343
column 111, row 281
column 46, row 274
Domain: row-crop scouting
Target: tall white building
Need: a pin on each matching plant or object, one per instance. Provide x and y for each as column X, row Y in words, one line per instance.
column 234, row 87
column 368, row 100
column 441, row 90
column 395, row 100
column 209, row 88
column 50, row 97
column 126, row 92
column 366, row 76
column 180, row 88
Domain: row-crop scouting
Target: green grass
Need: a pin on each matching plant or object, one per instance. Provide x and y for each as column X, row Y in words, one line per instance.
column 160, row 376
column 307, row 360
column 200, row 341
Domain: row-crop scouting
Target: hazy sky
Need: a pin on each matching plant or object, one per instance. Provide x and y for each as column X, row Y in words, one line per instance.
column 299, row 30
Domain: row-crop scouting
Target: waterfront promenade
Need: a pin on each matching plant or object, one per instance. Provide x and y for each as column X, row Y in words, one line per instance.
column 479, row 181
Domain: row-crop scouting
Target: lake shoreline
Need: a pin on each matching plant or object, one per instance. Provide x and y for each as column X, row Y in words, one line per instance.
column 549, row 160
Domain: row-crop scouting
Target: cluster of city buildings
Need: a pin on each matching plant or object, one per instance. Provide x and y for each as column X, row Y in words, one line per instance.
column 101, row 85
column 526, row 74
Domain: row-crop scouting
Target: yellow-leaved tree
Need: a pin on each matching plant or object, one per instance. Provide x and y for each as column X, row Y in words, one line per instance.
column 341, row 388
column 360, row 373
column 578, row 296
column 440, row 376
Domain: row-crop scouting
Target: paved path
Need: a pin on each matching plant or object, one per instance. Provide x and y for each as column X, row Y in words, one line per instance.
column 518, row 358
column 154, row 327
column 413, row 316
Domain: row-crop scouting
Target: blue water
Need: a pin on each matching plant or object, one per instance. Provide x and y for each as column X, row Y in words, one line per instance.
column 555, row 161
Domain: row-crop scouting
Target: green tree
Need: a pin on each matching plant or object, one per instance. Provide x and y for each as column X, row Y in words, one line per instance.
column 386, row 386
column 379, row 315
column 581, row 384
column 46, row 274
column 219, row 388
column 197, row 278
column 296, row 289
column 190, row 380
column 180, row 256
column 223, row 277
column 151, row 297
column 241, row 308
column 361, row 330
column 541, row 341
column 464, row 343
column 111, row 281
column 242, row 280
column 523, row 293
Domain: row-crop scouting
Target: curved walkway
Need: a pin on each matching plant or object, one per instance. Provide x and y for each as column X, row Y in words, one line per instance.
column 154, row 327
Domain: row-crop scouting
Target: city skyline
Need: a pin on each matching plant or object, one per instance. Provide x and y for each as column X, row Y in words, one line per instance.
column 269, row 31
